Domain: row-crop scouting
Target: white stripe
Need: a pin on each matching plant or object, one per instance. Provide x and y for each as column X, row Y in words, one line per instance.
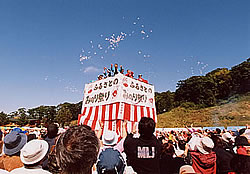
column 92, row 116
column 145, row 111
column 107, row 112
column 132, row 113
column 121, row 111
column 138, row 113
column 114, row 111
column 151, row 113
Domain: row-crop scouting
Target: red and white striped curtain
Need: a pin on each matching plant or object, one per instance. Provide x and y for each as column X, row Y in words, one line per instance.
column 112, row 114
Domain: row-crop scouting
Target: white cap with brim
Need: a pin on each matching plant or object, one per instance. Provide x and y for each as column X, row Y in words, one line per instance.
column 14, row 142
column 34, row 151
column 205, row 144
column 227, row 136
column 110, row 138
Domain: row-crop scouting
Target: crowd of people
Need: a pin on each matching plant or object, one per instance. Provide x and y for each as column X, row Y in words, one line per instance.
column 115, row 69
column 80, row 150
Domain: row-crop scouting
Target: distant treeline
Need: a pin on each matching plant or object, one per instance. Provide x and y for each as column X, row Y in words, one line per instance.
column 205, row 91
column 194, row 92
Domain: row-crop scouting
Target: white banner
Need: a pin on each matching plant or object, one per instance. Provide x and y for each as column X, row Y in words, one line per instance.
column 118, row 89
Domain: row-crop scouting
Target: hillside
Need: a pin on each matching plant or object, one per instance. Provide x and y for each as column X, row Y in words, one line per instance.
column 233, row 112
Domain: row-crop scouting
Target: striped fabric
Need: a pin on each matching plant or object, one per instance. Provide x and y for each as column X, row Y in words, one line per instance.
column 112, row 114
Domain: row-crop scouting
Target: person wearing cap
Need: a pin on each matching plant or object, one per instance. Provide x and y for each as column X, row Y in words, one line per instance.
column 203, row 159
column 32, row 155
column 13, row 143
column 143, row 153
column 1, row 143
column 228, row 142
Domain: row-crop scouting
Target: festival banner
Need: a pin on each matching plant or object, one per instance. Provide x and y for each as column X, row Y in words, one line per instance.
column 118, row 89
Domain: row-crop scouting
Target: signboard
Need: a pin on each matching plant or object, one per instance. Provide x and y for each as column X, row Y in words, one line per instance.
column 118, row 89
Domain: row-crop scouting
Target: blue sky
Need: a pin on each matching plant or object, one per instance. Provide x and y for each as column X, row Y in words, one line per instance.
column 41, row 40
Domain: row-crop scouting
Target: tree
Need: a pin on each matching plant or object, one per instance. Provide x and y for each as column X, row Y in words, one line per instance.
column 64, row 114
column 22, row 114
column 164, row 101
column 241, row 77
column 223, row 82
column 197, row 89
column 3, row 118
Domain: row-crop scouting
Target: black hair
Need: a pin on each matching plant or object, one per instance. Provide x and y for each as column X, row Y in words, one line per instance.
column 242, row 131
column 77, row 150
column 31, row 137
column 52, row 130
column 146, row 127
column 218, row 131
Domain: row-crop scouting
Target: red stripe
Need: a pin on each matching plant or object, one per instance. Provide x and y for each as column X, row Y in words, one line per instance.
column 117, row 110
column 95, row 118
column 110, row 116
column 142, row 111
column 103, row 112
column 135, row 113
column 153, row 113
column 127, row 112
column 148, row 112
column 88, row 117
column 80, row 115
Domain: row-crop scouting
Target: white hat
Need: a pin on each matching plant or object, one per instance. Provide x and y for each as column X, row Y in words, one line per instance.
column 34, row 151
column 186, row 169
column 110, row 138
column 205, row 144
column 227, row 136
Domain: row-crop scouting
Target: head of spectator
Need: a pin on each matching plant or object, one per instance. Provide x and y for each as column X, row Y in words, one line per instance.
column 227, row 137
column 242, row 131
column 33, row 153
column 116, row 65
column 146, row 127
column 14, row 142
column 77, row 150
column 1, row 135
column 52, row 130
column 31, row 137
column 168, row 149
column 217, row 131
column 241, row 141
column 205, row 145
column 110, row 138
column 187, row 169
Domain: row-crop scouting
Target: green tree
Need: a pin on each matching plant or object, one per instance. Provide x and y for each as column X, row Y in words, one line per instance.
column 223, row 81
column 164, row 101
column 241, row 77
column 3, row 118
column 197, row 89
column 23, row 117
column 64, row 114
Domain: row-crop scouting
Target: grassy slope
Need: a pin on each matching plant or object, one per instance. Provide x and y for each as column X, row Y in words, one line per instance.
column 233, row 113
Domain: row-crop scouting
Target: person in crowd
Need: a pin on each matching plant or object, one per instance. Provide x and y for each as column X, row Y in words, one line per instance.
column 141, row 79
column 169, row 164
column 187, row 169
column 223, row 157
column 143, row 153
column 241, row 161
column 129, row 73
column 77, row 150
column 1, row 143
column 228, row 141
column 121, row 70
column 31, row 137
column 100, row 77
column 115, row 70
column 13, row 143
column 107, row 72
column 32, row 155
column 52, row 132
column 203, row 159
column 110, row 159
